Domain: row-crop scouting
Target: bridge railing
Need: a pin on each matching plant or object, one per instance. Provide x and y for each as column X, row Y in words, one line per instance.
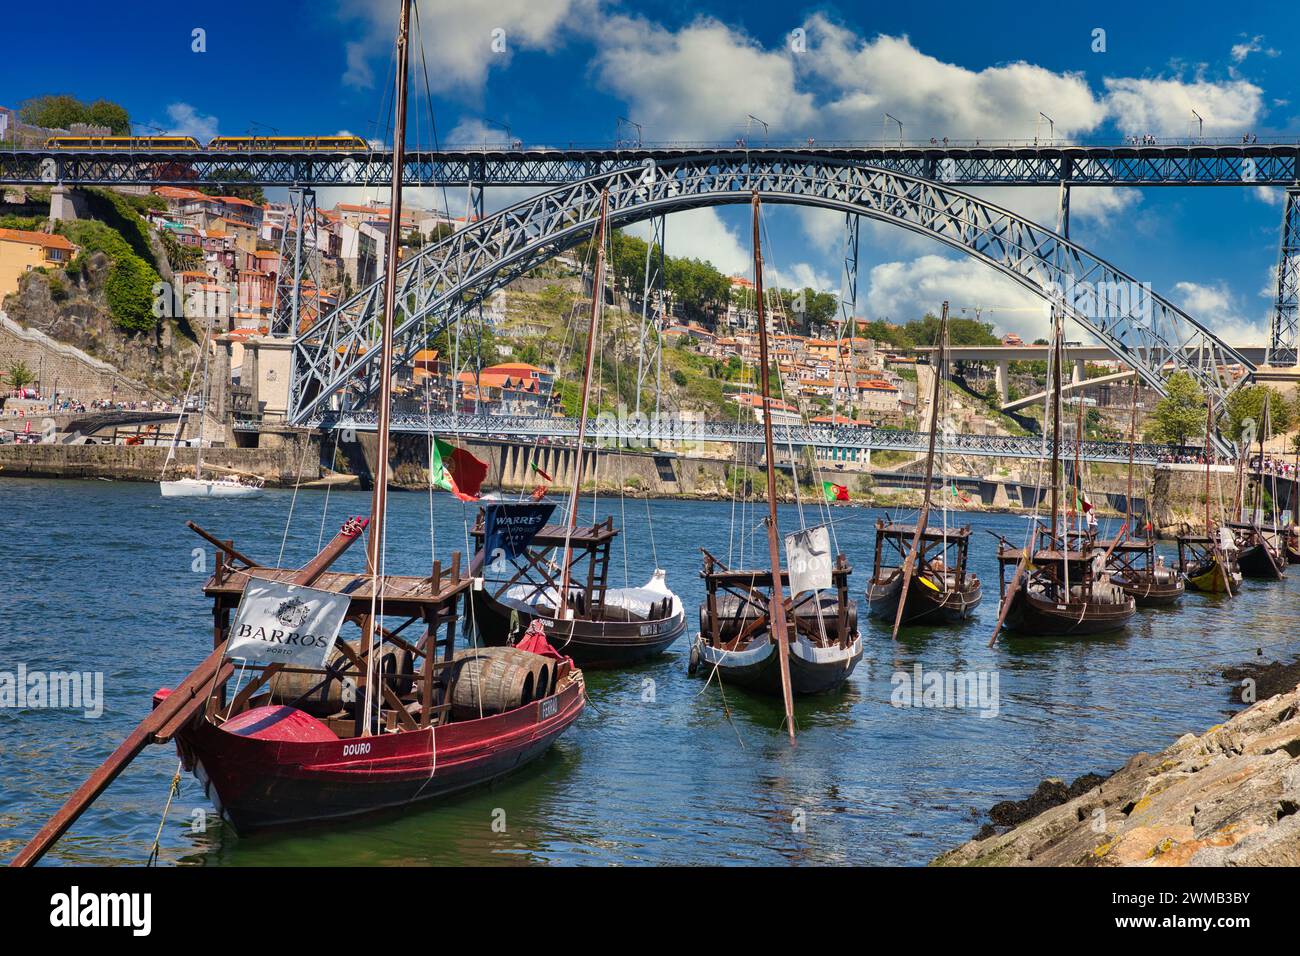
column 614, row 432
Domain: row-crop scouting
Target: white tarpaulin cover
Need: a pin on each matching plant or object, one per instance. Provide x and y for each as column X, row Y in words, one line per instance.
column 287, row 624
column 808, row 556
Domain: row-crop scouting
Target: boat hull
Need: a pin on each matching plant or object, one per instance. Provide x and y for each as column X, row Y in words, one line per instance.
column 1257, row 561
column 591, row 644
column 923, row 605
column 1147, row 592
column 279, row 779
column 813, row 670
column 1209, row 578
column 205, row 488
column 1032, row 616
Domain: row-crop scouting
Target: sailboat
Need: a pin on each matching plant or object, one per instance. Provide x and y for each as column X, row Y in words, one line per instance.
column 596, row 625
column 1058, row 586
column 750, row 635
column 1261, row 550
column 232, row 484
column 1132, row 560
column 930, row 582
column 1208, row 561
column 329, row 728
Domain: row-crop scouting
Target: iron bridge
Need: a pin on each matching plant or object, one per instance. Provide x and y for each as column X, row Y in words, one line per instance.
column 610, row 431
column 1176, row 164
column 335, row 361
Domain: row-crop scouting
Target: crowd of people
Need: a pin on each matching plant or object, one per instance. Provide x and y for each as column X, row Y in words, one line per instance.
column 1277, row 467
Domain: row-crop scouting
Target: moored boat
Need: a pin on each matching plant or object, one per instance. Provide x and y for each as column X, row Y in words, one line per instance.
column 943, row 590
column 736, row 638
column 1140, row 574
column 604, row 626
column 1259, row 551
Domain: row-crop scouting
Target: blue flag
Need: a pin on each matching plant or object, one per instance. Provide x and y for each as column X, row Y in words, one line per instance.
column 510, row 528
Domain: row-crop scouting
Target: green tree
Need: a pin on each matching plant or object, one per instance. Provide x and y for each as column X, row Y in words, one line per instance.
column 53, row 111
column 20, row 375
column 1180, row 415
column 1247, row 404
column 106, row 113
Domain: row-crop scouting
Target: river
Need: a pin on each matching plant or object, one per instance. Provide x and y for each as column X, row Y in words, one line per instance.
column 104, row 577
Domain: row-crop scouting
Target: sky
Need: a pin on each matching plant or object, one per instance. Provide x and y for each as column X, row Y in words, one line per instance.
column 556, row 72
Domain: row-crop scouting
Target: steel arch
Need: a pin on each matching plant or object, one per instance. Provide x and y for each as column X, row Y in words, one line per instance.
column 444, row 281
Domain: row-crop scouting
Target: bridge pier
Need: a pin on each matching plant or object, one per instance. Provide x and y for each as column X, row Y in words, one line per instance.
column 1001, row 378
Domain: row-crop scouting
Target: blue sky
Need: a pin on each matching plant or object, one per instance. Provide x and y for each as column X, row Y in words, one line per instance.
column 692, row 71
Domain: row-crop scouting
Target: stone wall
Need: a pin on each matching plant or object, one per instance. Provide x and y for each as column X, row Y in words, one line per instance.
column 279, row 465
column 66, row 368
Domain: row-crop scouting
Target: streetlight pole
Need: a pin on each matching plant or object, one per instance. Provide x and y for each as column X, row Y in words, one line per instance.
column 885, row 122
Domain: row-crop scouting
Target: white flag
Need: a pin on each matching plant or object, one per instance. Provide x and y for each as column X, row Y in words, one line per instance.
column 808, row 556
column 287, row 623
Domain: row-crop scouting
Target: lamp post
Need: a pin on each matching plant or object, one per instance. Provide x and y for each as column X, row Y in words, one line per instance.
column 884, row 123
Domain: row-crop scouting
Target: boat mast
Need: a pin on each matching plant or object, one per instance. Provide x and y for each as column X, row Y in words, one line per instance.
column 1056, row 417
column 1132, row 438
column 776, row 603
column 379, row 497
column 909, row 565
column 203, row 401
column 1209, row 427
column 597, row 301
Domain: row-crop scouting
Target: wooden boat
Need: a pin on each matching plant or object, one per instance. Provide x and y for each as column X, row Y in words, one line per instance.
column 1133, row 566
column 1058, row 586
column 770, row 644
column 1291, row 541
column 534, row 569
column 736, row 637
column 1132, row 561
column 919, row 575
column 607, row 627
column 1259, row 551
column 265, row 761
column 1206, row 565
column 943, row 591
column 1061, row 593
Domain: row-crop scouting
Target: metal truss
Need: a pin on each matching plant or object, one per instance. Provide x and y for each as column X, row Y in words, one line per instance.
column 334, row 364
column 1174, row 165
column 299, row 260
column 1286, row 307
column 642, row 432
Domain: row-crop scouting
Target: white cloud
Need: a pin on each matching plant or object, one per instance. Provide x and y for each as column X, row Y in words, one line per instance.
column 1269, row 195
column 866, row 78
column 184, row 120
column 700, row 82
column 1253, row 45
column 904, row 290
column 1214, row 306
column 1163, row 106
column 701, row 234
column 459, row 39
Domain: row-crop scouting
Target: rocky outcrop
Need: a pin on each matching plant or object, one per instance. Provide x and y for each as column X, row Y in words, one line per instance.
column 1226, row 798
column 75, row 311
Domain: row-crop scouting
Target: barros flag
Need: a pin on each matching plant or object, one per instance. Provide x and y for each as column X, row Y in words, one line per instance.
column 287, row 624
column 808, row 557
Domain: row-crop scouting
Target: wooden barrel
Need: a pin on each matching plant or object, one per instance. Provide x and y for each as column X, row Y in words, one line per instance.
column 287, row 686
column 487, row 682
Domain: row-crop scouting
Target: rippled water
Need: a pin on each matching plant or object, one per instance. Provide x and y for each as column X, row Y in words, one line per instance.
column 99, row 577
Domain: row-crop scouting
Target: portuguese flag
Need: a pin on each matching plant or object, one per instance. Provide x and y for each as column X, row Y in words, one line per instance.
column 538, row 471
column 456, row 470
column 834, row 492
